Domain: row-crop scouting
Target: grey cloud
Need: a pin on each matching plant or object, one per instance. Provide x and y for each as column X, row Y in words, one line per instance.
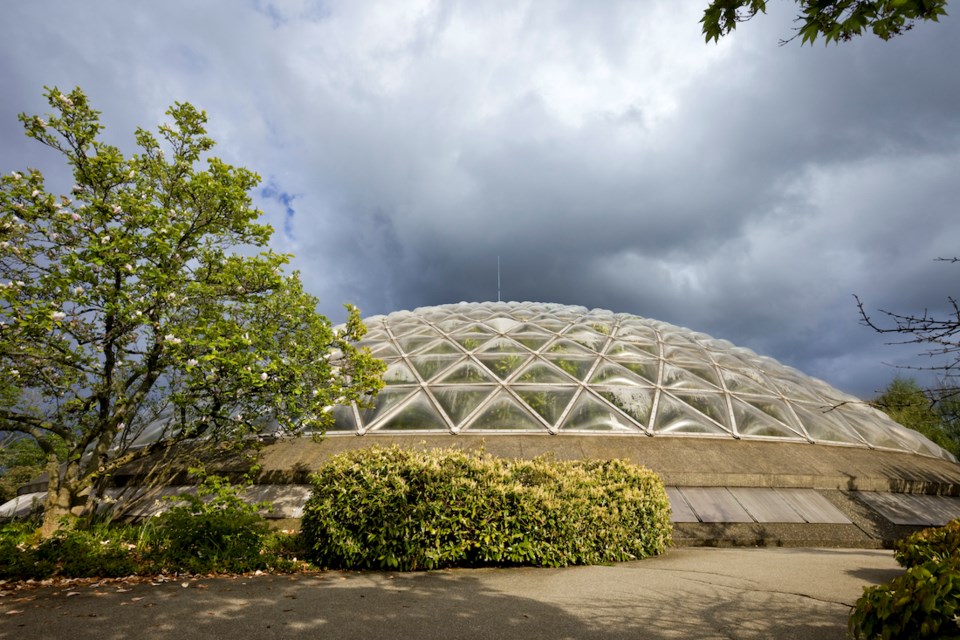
column 607, row 155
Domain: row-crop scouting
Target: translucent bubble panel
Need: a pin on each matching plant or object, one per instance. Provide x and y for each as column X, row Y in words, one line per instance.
column 509, row 367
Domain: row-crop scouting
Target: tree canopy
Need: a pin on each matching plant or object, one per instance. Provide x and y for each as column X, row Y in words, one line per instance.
column 834, row 20
column 908, row 403
column 144, row 308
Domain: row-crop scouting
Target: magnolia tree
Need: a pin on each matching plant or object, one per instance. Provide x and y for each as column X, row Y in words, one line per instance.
column 126, row 308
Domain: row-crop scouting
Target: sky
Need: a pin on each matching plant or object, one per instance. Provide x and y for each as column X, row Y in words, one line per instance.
column 604, row 152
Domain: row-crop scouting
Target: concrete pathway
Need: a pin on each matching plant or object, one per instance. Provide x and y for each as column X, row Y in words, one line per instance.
column 689, row 593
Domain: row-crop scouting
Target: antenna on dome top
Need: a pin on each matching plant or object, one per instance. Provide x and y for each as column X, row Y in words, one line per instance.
column 498, row 278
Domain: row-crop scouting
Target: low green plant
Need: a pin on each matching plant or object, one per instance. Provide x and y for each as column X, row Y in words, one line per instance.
column 404, row 509
column 214, row 530
column 71, row 553
column 934, row 543
column 924, row 602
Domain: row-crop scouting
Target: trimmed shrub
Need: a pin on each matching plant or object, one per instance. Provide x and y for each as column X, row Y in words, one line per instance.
column 405, row 509
column 935, row 543
column 924, row 602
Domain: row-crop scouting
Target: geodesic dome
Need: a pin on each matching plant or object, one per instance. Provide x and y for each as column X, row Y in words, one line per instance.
column 554, row 369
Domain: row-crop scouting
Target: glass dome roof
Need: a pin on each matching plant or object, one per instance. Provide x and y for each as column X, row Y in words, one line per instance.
column 509, row 367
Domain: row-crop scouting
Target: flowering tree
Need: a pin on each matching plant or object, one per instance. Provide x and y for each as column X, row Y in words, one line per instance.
column 128, row 321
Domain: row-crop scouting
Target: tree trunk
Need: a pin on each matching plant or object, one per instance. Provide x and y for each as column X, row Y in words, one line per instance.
column 59, row 500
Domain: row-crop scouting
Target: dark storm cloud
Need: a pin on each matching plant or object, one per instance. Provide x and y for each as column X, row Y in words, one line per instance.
column 603, row 152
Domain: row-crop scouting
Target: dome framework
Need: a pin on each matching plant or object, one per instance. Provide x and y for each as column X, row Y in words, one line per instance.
column 556, row 369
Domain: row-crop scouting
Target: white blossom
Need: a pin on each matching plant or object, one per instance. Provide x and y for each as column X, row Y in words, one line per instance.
column 58, row 315
column 172, row 339
column 14, row 373
column 77, row 188
column 131, row 174
column 35, row 193
column 75, row 216
column 16, row 175
column 192, row 362
column 21, row 283
column 116, row 209
column 78, row 290
column 128, row 267
column 264, row 376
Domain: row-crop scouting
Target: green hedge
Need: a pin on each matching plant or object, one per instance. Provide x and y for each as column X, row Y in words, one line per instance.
column 935, row 543
column 406, row 509
column 924, row 602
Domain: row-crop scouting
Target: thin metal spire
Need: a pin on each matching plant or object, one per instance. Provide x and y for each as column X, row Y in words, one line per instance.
column 498, row 278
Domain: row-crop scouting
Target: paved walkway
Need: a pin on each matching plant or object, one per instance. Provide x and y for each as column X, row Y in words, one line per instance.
column 689, row 593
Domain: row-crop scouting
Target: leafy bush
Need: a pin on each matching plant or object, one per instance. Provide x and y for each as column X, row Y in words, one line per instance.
column 403, row 509
column 935, row 543
column 71, row 553
column 214, row 530
column 924, row 602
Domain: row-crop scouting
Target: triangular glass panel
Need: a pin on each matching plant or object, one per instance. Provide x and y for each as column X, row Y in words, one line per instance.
column 773, row 407
column 589, row 339
column 413, row 344
column 753, row 422
column 568, row 348
column 627, row 351
column 478, row 328
column 525, row 328
column 548, row 402
column 385, row 350
column 636, row 402
column 387, row 398
column 677, row 378
column 683, row 355
column 712, row 405
column 637, row 334
column 541, row 373
column 502, row 345
column 550, row 324
column 374, row 336
column 532, row 341
column 459, row 401
column 875, row 433
column 471, row 341
column 794, row 391
column 503, row 365
column 705, row 371
column 737, row 383
column 399, row 373
column 674, row 416
column 502, row 324
column 443, row 347
column 821, row 425
column 467, row 373
column 591, row 414
column 575, row 366
column 343, row 419
column 451, row 324
column 429, row 366
column 646, row 369
column 505, row 413
column 614, row 374
column 417, row 415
